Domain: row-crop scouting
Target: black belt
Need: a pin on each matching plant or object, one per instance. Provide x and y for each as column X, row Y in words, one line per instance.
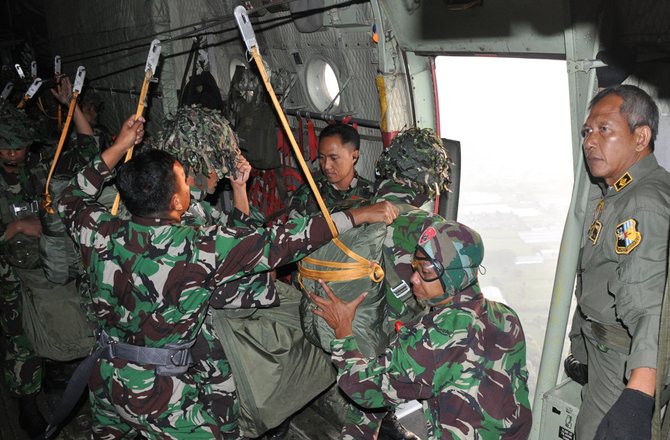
column 173, row 360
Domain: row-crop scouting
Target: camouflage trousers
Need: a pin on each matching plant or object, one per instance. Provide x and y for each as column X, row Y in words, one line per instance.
column 201, row 404
column 361, row 424
column 22, row 367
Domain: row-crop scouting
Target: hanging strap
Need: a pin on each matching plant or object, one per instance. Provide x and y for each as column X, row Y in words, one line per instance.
column 46, row 197
column 152, row 63
column 313, row 140
column 301, row 161
column 191, row 54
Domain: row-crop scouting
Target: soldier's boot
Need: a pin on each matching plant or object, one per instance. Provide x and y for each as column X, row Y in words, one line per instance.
column 575, row 370
column 392, row 429
column 30, row 417
column 280, row 432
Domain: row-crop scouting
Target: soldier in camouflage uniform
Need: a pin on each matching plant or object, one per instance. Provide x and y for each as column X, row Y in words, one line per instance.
column 465, row 359
column 413, row 169
column 409, row 172
column 21, row 181
column 339, row 184
column 152, row 279
column 341, row 187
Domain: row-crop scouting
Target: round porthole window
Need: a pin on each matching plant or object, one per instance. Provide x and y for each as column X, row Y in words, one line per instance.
column 322, row 83
column 234, row 63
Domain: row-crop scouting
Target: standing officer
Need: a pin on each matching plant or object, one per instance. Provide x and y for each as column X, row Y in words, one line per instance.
column 465, row 359
column 622, row 269
column 339, row 184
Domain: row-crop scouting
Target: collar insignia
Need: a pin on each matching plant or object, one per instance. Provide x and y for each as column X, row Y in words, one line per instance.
column 623, row 181
column 627, row 237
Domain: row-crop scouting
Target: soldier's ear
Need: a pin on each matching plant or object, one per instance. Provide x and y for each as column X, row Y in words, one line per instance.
column 355, row 156
column 176, row 203
column 642, row 137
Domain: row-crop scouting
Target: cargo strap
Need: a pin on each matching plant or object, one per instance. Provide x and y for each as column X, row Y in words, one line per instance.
column 178, row 356
column 612, row 336
column 342, row 271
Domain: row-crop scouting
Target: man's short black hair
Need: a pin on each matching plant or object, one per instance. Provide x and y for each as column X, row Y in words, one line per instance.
column 146, row 183
column 347, row 134
column 638, row 107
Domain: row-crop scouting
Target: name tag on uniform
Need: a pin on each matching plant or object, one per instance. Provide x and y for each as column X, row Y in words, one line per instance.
column 594, row 231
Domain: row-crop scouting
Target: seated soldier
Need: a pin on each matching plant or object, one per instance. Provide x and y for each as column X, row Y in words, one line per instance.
column 339, row 184
column 465, row 359
column 341, row 187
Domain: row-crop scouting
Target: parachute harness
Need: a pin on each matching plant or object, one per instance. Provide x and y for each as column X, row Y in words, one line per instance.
column 342, row 271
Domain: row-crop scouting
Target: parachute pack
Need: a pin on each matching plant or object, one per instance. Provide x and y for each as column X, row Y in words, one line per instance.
column 388, row 300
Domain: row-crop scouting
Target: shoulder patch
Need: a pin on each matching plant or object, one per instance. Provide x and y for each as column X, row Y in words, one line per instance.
column 427, row 235
column 627, row 236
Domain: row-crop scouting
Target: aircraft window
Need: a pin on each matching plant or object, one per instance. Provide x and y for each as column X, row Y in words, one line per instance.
column 234, row 62
column 512, row 117
column 322, row 83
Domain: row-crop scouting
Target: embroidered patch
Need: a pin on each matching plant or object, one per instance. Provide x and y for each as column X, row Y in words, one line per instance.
column 627, row 236
column 594, row 231
column 426, row 236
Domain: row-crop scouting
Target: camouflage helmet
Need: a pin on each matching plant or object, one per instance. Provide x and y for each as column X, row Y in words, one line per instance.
column 16, row 128
column 455, row 249
column 416, row 157
column 201, row 139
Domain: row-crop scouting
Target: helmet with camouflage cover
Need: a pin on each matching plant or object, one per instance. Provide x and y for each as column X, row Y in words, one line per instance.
column 201, row 139
column 416, row 157
column 16, row 128
column 456, row 251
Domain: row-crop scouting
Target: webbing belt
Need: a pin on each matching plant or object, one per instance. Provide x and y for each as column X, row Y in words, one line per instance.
column 170, row 361
column 612, row 336
column 343, row 271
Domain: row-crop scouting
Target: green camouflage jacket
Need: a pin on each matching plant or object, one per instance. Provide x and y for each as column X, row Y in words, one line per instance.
column 256, row 290
column 151, row 279
column 303, row 202
column 466, row 361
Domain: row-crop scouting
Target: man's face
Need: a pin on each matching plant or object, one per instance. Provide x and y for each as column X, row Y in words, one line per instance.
column 11, row 159
column 182, row 189
column 211, row 182
column 610, row 148
column 425, row 279
column 337, row 161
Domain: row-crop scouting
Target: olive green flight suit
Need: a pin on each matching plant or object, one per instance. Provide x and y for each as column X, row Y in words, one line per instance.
column 620, row 284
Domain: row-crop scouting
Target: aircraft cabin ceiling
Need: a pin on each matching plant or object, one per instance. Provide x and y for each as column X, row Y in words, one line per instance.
column 489, row 26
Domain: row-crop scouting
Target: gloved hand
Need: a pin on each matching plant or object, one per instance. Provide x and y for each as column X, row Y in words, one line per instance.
column 576, row 370
column 629, row 418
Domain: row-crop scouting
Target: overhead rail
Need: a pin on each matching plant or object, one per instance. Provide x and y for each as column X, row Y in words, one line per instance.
column 329, row 117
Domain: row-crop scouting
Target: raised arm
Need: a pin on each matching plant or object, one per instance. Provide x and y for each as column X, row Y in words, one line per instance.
column 64, row 96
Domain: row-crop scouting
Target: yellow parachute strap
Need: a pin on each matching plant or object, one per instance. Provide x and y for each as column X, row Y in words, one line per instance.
column 46, row 197
column 381, row 90
column 148, row 74
column 343, row 271
column 22, row 103
column 289, row 133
